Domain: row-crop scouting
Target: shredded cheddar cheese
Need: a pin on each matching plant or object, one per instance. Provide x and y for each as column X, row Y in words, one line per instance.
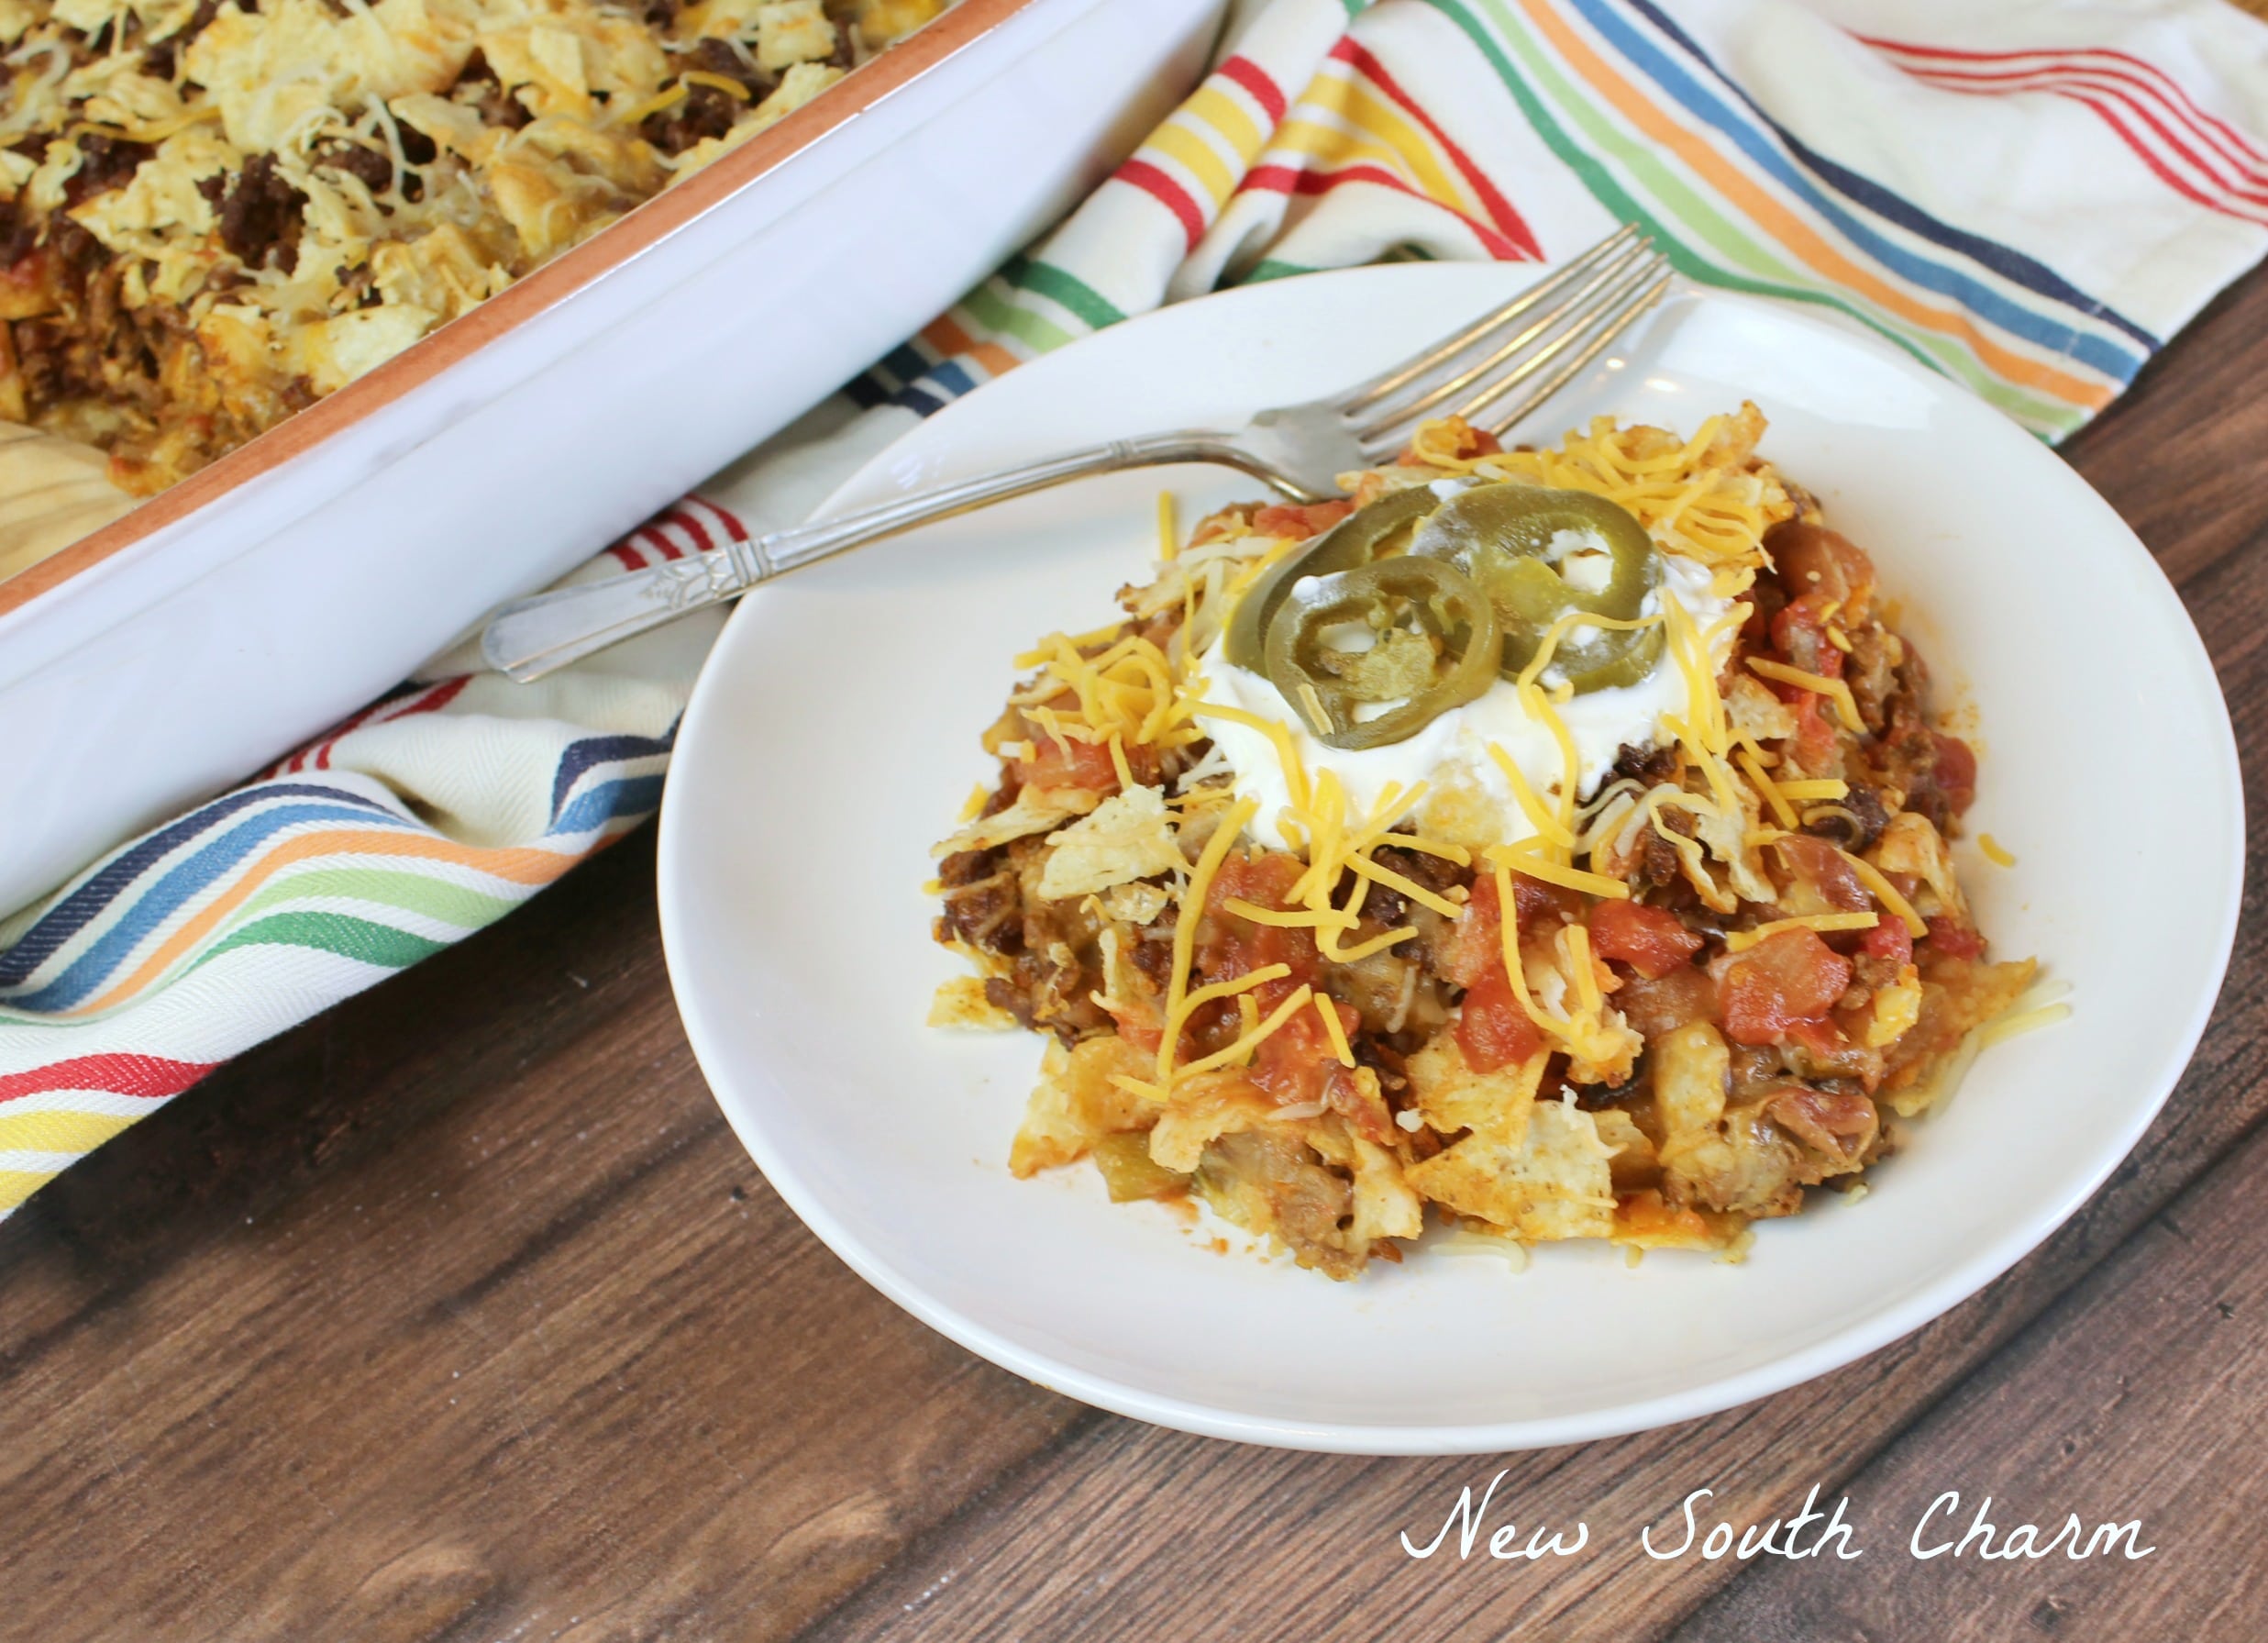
column 2022, row 1021
column 1334, row 1031
column 1185, row 935
column 1295, row 768
column 1740, row 941
column 1697, row 496
column 1235, row 1053
column 1525, row 858
column 1365, row 868
column 1834, row 689
column 1883, row 891
column 1761, row 779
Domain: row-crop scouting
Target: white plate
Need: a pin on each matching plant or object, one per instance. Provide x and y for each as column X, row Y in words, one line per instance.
column 833, row 737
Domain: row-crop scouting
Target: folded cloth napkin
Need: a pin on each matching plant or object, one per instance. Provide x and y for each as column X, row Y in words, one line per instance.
column 2028, row 196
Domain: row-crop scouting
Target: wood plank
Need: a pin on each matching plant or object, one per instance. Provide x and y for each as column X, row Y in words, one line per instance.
column 461, row 1308
column 2179, row 456
column 2144, row 1394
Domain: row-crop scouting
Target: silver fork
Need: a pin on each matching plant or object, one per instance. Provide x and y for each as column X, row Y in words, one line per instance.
column 1536, row 342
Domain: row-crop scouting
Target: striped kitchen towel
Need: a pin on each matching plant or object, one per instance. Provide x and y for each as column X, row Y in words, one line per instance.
column 2028, row 195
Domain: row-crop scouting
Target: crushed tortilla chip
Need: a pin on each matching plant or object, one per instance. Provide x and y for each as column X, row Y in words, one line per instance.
column 1128, row 837
column 1076, row 1105
column 1555, row 1182
column 1037, row 810
column 1453, row 1096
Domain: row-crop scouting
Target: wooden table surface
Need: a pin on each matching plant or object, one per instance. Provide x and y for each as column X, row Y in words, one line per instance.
column 458, row 1313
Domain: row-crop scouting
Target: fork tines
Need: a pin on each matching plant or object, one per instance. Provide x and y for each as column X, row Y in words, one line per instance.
column 1556, row 327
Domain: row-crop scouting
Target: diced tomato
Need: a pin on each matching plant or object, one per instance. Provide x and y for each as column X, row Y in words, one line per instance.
column 1648, row 939
column 1821, row 880
column 1493, row 1030
column 1956, row 773
column 1292, row 1061
column 1953, row 939
column 1811, row 559
column 1476, row 945
column 1799, row 633
column 1261, row 877
column 1889, row 939
column 1479, row 944
column 1785, row 982
column 1234, row 946
column 1140, row 1028
column 1069, row 763
column 1299, row 522
column 1816, row 725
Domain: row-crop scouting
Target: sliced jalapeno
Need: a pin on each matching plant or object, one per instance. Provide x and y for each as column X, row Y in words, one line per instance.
column 1537, row 552
column 1367, row 534
column 1435, row 645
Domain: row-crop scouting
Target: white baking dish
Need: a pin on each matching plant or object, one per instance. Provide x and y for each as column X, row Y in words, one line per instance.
column 261, row 599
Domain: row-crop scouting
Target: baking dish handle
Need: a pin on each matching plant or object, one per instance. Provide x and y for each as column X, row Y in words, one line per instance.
column 531, row 638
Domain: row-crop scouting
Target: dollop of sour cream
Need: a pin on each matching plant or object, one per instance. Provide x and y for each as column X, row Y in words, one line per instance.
column 1468, row 800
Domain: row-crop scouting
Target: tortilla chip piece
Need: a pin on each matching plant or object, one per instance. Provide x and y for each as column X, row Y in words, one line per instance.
column 1635, row 1163
column 1135, row 903
column 1037, row 810
column 1384, row 1205
column 1205, row 1108
column 1075, row 1103
column 1754, row 711
column 1452, row 1096
column 1128, row 837
column 1556, row 1182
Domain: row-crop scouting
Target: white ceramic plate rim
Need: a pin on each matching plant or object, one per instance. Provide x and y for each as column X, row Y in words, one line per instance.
column 1953, row 1285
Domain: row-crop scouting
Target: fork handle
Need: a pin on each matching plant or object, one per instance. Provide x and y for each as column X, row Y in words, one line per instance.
column 531, row 638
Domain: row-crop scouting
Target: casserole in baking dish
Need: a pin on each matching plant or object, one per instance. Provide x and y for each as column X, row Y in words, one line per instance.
column 217, row 211
column 290, row 581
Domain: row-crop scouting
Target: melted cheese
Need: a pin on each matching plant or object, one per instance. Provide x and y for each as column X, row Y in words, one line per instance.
column 541, row 152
